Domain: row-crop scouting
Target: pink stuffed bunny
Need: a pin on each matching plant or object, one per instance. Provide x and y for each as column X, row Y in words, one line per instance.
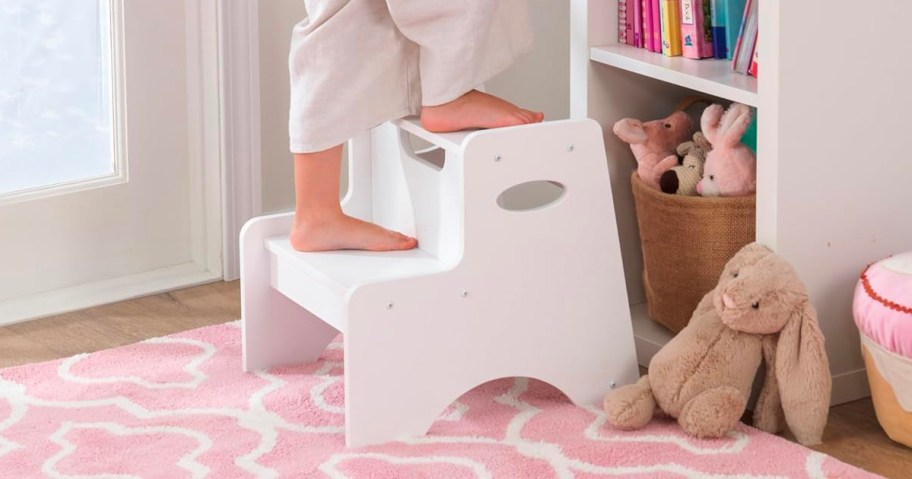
column 731, row 168
column 654, row 143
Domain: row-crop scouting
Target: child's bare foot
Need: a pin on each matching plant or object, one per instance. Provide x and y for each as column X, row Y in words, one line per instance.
column 320, row 224
column 476, row 110
column 341, row 232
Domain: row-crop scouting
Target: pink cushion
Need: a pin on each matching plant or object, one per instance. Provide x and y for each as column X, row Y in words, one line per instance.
column 883, row 304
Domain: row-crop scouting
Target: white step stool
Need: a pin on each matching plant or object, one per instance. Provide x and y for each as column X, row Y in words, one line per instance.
column 491, row 293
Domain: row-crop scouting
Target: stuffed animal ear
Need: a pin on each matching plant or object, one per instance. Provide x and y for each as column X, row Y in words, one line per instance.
column 768, row 414
column 735, row 123
column 803, row 374
column 631, row 131
column 709, row 122
column 701, row 141
column 685, row 148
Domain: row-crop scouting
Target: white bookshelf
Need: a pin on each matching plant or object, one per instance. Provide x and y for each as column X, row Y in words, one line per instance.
column 833, row 189
column 712, row 77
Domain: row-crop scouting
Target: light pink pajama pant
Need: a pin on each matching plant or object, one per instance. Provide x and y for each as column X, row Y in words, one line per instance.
column 355, row 64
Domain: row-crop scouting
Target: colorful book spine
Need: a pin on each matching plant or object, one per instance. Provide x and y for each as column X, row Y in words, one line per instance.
column 720, row 48
column 648, row 37
column 736, row 52
column 753, row 67
column 622, row 22
column 696, row 31
column 747, row 38
column 638, row 23
column 656, row 26
column 671, row 27
column 629, row 23
column 734, row 14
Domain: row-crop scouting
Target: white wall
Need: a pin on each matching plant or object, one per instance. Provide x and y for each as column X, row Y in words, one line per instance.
column 277, row 17
column 539, row 81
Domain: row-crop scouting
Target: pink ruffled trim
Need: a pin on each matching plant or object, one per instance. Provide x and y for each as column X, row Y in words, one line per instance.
column 881, row 310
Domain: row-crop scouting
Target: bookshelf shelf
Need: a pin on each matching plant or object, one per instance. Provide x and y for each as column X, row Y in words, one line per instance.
column 712, row 77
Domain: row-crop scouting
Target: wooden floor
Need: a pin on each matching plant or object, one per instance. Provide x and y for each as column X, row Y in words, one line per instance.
column 852, row 435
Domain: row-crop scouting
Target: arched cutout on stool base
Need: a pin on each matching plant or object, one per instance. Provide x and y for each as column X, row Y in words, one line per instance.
column 442, row 405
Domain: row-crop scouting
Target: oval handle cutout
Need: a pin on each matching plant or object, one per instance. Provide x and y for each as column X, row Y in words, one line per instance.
column 532, row 195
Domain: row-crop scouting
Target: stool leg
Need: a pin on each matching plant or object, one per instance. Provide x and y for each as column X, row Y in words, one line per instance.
column 276, row 331
column 388, row 396
column 281, row 333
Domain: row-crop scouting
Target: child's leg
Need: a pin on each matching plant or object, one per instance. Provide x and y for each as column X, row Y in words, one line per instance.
column 320, row 224
column 464, row 44
column 351, row 69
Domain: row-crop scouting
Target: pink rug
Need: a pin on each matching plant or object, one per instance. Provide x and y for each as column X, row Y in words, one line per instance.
column 181, row 407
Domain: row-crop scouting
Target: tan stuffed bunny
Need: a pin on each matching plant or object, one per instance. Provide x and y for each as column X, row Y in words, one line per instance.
column 683, row 179
column 703, row 377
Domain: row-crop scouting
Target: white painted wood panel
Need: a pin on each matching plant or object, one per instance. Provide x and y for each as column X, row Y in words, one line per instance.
column 836, row 182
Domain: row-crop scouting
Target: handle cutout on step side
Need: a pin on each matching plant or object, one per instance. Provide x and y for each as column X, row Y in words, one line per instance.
column 422, row 151
column 532, row 196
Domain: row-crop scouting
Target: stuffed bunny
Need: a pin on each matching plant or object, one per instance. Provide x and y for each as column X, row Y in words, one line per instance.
column 731, row 168
column 653, row 143
column 683, row 179
column 703, row 377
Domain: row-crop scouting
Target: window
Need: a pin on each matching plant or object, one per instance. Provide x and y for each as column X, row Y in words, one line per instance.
column 56, row 94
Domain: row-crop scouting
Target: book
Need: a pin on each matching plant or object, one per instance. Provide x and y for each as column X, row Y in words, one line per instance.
column 726, row 24
column 753, row 66
column 629, row 22
column 671, row 27
column 638, row 23
column 622, row 22
column 624, row 25
column 648, row 37
column 735, row 15
column 736, row 53
column 747, row 38
column 656, row 26
column 696, row 29
column 718, row 28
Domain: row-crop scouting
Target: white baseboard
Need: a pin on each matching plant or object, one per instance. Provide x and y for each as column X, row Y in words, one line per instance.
column 104, row 292
column 650, row 337
column 850, row 386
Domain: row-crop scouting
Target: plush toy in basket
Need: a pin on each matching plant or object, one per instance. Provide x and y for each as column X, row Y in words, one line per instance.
column 654, row 143
column 726, row 166
column 759, row 311
column 683, row 179
column 686, row 239
column 730, row 168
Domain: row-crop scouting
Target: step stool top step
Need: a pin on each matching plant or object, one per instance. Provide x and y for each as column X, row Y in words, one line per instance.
column 448, row 141
column 343, row 271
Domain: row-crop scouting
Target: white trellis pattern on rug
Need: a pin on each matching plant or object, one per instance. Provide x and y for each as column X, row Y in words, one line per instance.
column 181, row 407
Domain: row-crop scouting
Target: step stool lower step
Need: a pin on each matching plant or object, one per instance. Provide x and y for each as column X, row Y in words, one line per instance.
column 322, row 282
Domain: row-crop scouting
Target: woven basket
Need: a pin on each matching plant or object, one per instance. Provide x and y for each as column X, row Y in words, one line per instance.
column 686, row 242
